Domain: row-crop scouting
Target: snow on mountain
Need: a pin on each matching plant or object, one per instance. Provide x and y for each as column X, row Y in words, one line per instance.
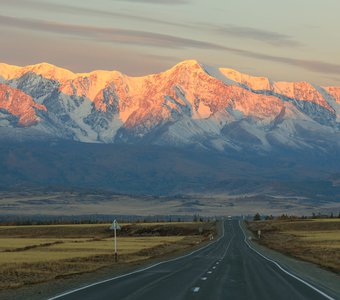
column 15, row 103
column 189, row 104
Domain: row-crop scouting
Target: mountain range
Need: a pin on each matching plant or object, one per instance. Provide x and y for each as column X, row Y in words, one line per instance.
column 189, row 105
column 193, row 128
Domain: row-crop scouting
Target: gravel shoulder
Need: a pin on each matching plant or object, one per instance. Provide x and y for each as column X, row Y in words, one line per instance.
column 322, row 279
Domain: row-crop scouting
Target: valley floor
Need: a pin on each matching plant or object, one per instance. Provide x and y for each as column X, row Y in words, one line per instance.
column 72, row 203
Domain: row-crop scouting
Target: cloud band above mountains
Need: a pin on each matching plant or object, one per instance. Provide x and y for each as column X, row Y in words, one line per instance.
column 144, row 38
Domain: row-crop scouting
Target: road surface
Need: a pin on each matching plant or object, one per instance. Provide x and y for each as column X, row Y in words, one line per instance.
column 226, row 269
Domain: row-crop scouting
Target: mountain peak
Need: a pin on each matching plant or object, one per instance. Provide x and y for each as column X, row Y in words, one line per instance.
column 190, row 64
column 8, row 71
column 253, row 82
column 50, row 71
column 44, row 69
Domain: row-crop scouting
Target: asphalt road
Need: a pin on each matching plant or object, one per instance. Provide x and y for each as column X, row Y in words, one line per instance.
column 226, row 269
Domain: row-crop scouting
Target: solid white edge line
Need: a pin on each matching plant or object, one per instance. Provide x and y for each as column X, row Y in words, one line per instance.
column 141, row 270
column 284, row 270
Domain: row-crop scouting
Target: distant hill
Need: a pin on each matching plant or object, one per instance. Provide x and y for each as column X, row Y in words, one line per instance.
column 157, row 170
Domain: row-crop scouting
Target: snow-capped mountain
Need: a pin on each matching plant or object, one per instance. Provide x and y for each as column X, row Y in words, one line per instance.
column 190, row 104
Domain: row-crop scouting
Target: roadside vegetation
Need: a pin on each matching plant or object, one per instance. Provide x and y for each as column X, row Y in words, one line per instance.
column 316, row 239
column 32, row 254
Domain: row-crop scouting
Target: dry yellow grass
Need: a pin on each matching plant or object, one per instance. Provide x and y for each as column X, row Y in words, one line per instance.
column 70, row 249
column 160, row 223
column 2, row 227
column 125, row 244
column 14, row 243
column 318, row 236
column 330, row 220
column 57, row 225
column 40, row 253
column 316, row 240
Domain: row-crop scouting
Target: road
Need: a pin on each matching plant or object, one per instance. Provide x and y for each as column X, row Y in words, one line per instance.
column 226, row 269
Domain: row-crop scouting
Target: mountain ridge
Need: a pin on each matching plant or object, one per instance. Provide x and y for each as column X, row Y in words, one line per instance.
column 189, row 104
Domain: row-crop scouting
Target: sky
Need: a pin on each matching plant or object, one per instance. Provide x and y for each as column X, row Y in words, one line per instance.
column 290, row 40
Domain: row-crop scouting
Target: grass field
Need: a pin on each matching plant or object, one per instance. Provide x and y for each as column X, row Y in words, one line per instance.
column 315, row 240
column 31, row 254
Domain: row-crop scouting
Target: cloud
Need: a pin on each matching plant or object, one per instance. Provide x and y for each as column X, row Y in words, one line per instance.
column 333, row 79
column 72, row 10
column 269, row 37
column 310, row 65
column 143, row 38
column 265, row 36
column 106, row 34
column 167, row 2
column 132, row 62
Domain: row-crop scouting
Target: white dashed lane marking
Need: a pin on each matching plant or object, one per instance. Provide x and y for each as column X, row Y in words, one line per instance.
column 204, row 278
column 196, row 289
column 209, row 272
column 214, row 267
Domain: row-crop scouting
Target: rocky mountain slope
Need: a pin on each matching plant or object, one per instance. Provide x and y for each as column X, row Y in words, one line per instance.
column 189, row 105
